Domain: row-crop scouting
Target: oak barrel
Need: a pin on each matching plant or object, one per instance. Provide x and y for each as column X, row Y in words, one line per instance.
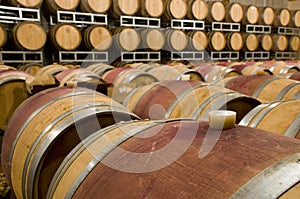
column 65, row 36
column 295, row 18
column 127, row 39
column 100, row 6
column 281, row 42
column 13, row 92
column 124, row 7
column 175, row 9
column 265, row 88
column 217, row 41
column 77, row 75
column 99, row 68
column 52, row 6
column 280, row 117
column 51, row 70
column 198, row 40
column 216, row 11
column 267, row 15
column 251, row 42
column 282, row 17
column 295, row 76
column 157, row 163
column 234, row 41
column 266, row 42
column 294, row 43
column 29, row 36
column 152, row 8
column 46, row 128
column 234, row 12
column 197, row 9
column 252, row 69
column 252, row 14
column 186, row 99
column 3, row 36
column 5, row 67
column 176, row 40
column 26, row 3
column 97, row 37
column 153, row 39
column 31, row 68
column 279, row 68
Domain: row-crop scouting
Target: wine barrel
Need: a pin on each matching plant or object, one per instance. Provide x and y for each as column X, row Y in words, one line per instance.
column 5, row 67
column 3, row 36
column 234, row 12
column 252, row 69
column 266, row 42
column 164, row 73
column 127, row 39
column 282, row 17
column 198, row 40
column 99, row 68
column 234, row 41
column 76, row 75
column 29, row 36
column 217, row 11
column 212, row 73
column 267, row 16
column 65, row 116
column 281, row 42
column 124, row 7
column 31, row 68
column 176, row 40
column 217, row 41
column 176, row 9
column 295, row 18
column 13, row 92
column 97, row 37
column 265, row 88
column 142, row 66
column 133, row 160
column 295, row 76
column 92, row 6
column 251, row 42
column 52, row 6
column 153, row 39
column 279, row 117
column 65, row 36
column 51, row 70
column 252, row 14
column 281, row 68
column 186, row 99
column 197, row 9
column 152, row 8
column 294, row 43
column 26, row 3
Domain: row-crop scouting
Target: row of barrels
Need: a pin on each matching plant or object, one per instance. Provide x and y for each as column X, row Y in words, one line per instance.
column 74, row 152
column 178, row 9
column 32, row 36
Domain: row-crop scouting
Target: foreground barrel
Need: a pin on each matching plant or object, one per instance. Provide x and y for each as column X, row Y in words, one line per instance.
column 99, row 68
column 26, row 3
column 51, row 70
column 65, row 36
column 278, row 117
column 252, row 69
column 29, row 36
column 95, row 6
column 157, row 163
column 13, row 92
column 186, row 99
column 213, row 73
column 46, row 128
column 77, row 75
column 31, row 68
column 97, row 37
column 265, row 88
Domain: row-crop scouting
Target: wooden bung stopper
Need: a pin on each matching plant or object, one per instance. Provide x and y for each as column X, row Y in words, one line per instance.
column 124, row 7
column 97, row 37
column 294, row 43
column 222, row 119
column 26, row 3
column 283, row 17
column 177, row 40
column 95, row 6
column 126, row 39
column 65, row 36
column 3, row 36
column 217, row 41
column 217, row 11
column 234, row 41
column 252, row 14
column 197, row 9
column 295, row 18
column 152, row 8
column 267, row 16
column 153, row 39
column 29, row 36
column 266, row 42
column 198, row 40
column 234, row 12
column 280, row 42
column 250, row 42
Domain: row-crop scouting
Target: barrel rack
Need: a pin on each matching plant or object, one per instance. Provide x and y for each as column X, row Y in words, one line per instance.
column 11, row 15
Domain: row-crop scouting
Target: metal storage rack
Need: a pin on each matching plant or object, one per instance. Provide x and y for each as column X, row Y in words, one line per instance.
column 140, row 56
column 257, row 55
column 258, row 29
column 188, row 55
column 10, row 14
column 83, row 56
column 288, row 31
column 21, row 56
column 187, row 24
column 225, row 55
column 285, row 55
column 224, row 26
column 142, row 22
